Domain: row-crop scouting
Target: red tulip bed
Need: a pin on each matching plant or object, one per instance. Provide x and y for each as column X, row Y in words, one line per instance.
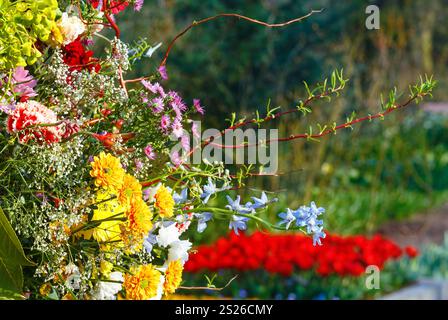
column 289, row 266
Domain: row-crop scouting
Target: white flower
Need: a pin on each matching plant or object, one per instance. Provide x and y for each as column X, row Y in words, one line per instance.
column 72, row 27
column 168, row 235
column 159, row 289
column 179, row 250
column 108, row 290
column 73, row 276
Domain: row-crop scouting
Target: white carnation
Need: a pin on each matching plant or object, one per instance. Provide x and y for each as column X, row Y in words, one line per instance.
column 72, row 27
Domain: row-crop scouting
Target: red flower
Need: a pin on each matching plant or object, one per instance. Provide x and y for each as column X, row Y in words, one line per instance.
column 26, row 118
column 114, row 5
column 411, row 251
column 282, row 254
column 78, row 58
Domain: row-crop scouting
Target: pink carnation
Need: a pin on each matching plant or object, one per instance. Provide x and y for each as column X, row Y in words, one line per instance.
column 32, row 113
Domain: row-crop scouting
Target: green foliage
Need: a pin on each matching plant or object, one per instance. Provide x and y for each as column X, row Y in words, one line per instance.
column 12, row 258
column 22, row 23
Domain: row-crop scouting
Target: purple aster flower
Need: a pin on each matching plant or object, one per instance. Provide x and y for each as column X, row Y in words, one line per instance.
column 138, row 5
column 149, row 152
column 155, row 88
column 157, row 104
column 177, row 102
column 178, row 130
column 165, row 123
column 163, row 73
column 23, row 83
column 198, row 107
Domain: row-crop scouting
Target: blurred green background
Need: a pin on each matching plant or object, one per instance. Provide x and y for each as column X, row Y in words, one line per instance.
column 367, row 177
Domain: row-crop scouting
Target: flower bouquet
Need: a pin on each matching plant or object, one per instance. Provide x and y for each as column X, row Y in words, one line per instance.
column 97, row 194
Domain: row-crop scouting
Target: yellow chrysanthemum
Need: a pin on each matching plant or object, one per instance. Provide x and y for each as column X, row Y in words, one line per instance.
column 107, row 208
column 106, row 268
column 130, row 190
column 173, row 277
column 143, row 284
column 138, row 225
column 164, row 202
column 45, row 289
column 107, row 171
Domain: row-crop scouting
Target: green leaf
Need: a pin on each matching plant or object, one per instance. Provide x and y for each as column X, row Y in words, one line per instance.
column 10, row 295
column 12, row 258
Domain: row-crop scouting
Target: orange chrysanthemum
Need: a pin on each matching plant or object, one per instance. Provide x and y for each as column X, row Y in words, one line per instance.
column 138, row 225
column 164, row 202
column 107, row 171
column 143, row 284
column 130, row 190
column 173, row 277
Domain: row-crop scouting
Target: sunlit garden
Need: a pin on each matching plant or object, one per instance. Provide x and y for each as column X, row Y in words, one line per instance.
column 223, row 150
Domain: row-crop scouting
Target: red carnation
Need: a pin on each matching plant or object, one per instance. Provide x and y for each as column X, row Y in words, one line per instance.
column 78, row 58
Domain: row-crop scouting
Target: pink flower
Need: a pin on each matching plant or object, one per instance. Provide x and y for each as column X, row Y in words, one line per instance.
column 155, row 88
column 163, row 73
column 165, row 123
column 177, row 102
column 198, row 107
column 138, row 5
column 157, row 105
column 149, row 152
column 32, row 113
column 23, row 83
column 178, row 130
